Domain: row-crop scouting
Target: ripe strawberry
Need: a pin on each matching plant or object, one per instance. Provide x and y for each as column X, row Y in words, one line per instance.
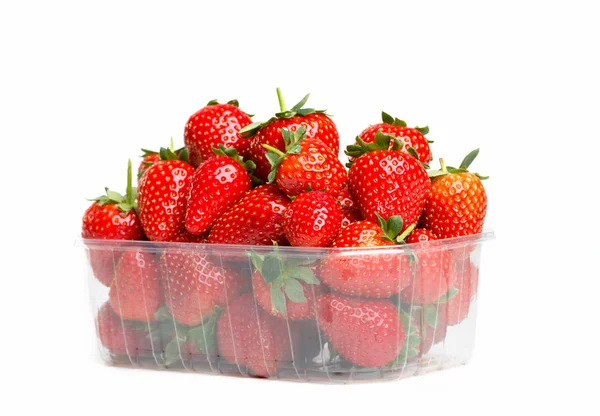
column 420, row 235
column 194, row 285
column 458, row 201
column 135, row 293
column 162, row 196
column 434, row 275
column 285, row 287
column 388, row 182
column 366, row 332
column 111, row 217
column 457, row 307
column 119, row 337
column 312, row 219
column 350, row 212
column 217, row 185
column 248, row 336
column 318, row 126
column 255, row 220
column 376, row 275
column 214, row 125
column 307, row 164
column 411, row 137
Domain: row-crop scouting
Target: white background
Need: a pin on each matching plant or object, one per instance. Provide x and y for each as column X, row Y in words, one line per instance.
column 84, row 85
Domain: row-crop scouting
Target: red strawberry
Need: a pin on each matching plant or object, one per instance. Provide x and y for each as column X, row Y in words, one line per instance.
column 420, row 235
column 366, row 332
column 194, row 285
column 458, row 202
column 255, row 220
column 312, row 219
column 350, row 212
column 118, row 337
column 186, row 237
column 285, row 287
column 379, row 274
column 111, row 217
column 411, row 137
column 457, row 307
column 162, row 196
column 388, row 182
column 318, row 126
column 214, row 125
column 135, row 293
column 217, row 185
column 434, row 274
column 248, row 336
column 307, row 164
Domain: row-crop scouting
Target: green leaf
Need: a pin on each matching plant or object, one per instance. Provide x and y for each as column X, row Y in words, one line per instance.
column 250, row 130
column 303, row 273
column 483, row 178
column 273, row 158
column 423, row 130
column 430, row 313
column 271, row 267
column 294, row 291
column 300, row 103
column 411, row 151
column 300, row 133
column 163, row 315
column 434, row 173
column 307, row 111
column 394, row 225
column 399, row 123
column 235, row 103
column 469, row 159
column 212, row 102
column 382, row 140
column 447, row 296
column 277, row 297
column 386, row 118
column 257, row 260
column 293, row 262
column 173, row 351
column 114, row 196
column 203, row 336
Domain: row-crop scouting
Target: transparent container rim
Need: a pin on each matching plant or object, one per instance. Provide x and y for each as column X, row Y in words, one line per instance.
column 240, row 249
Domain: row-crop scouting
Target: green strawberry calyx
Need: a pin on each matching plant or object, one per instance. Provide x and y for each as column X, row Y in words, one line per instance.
column 296, row 110
column 124, row 203
column 463, row 168
column 394, row 121
column 284, row 277
column 233, row 102
column 146, row 152
column 382, row 142
column 392, row 227
column 203, row 336
column 292, row 147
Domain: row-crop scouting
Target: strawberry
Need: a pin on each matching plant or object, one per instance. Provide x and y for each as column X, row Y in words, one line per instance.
column 388, row 182
column 380, row 274
column 194, row 285
column 214, row 125
column 458, row 306
column 365, row 332
column 111, row 217
column 135, row 293
column 318, row 126
column 217, row 185
column 411, row 137
column 458, row 201
column 119, row 337
column 420, row 235
column 285, row 287
column 255, row 220
column 307, row 164
column 162, row 196
column 434, row 273
column 150, row 157
column 185, row 237
column 248, row 336
column 312, row 219
column 350, row 212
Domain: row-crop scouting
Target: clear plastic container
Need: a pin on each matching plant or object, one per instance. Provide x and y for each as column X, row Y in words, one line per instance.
column 209, row 308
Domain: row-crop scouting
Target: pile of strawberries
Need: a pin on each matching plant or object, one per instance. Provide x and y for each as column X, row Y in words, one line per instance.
column 280, row 183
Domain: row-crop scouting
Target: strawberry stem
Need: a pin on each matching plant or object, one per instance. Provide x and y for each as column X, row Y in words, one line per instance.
column 281, row 102
column 172, row 145
column 274, row 150
column 406, row 232
column 129, row 198
column 443, row 165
